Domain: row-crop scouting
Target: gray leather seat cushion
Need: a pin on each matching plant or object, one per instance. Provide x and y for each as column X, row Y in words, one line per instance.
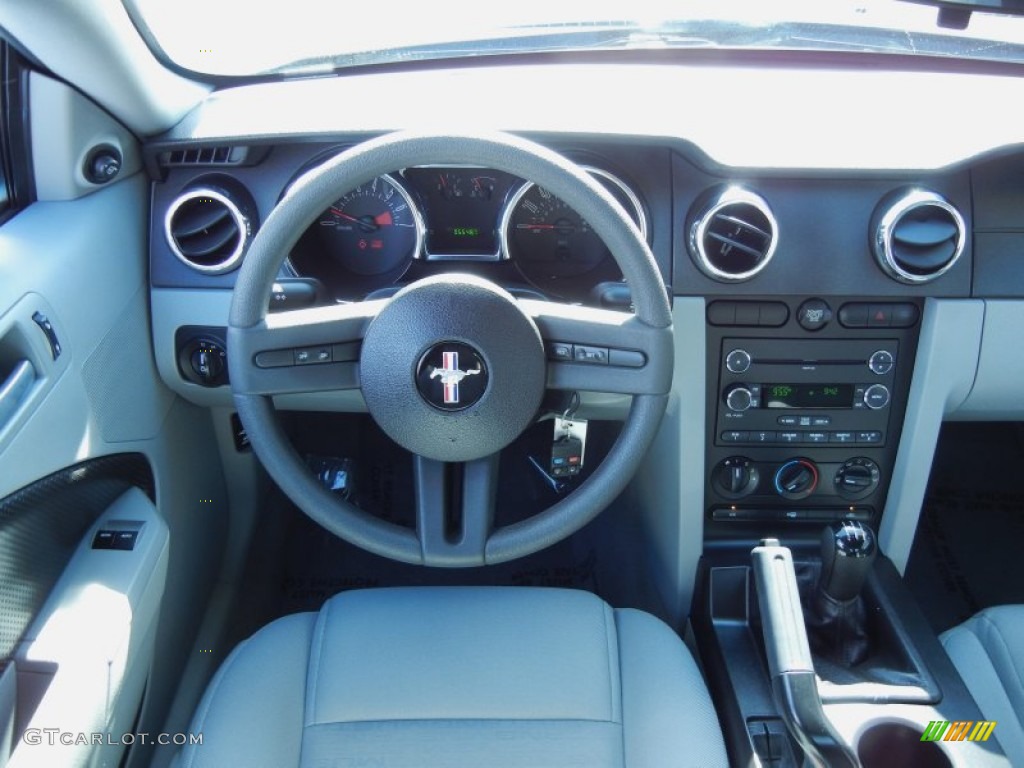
column 459, row 677
column 988, row 651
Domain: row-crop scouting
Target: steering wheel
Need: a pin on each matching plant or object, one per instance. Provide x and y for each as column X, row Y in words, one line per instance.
column 405, row 352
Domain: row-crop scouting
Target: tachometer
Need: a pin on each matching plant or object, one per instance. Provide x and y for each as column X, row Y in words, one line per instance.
column 550, row 242
column 373, row 230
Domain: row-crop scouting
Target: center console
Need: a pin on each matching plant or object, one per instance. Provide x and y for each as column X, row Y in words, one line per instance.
column 814, row 650
column 805, row 410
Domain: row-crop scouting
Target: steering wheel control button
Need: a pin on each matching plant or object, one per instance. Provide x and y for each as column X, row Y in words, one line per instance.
column 451, row 376
column 626, row 358
column 313, row 355
column 738, row 361
column 275, row 358
column 881, row 362
column 560, row 351
column 814, row 314
column 876, row 396
column 592, row 355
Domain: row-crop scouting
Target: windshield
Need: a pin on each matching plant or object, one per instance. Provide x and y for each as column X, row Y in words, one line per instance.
column 299, row 37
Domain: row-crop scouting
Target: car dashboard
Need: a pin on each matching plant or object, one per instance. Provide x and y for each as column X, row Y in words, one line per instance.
column 842, row 266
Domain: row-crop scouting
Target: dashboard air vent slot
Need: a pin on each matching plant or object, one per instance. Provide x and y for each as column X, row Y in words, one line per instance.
column 204, row 156
column 734, row 235
column 209, row 228
column 917, row 236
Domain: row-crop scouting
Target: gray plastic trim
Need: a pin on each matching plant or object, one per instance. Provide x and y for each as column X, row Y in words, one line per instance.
column 96, row 46
column 669, row 485
column 66, row 127
column 996, row 394
column 947, row 361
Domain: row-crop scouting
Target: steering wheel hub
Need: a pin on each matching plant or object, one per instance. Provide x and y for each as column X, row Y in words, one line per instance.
column 452, row 368
column 451, row 376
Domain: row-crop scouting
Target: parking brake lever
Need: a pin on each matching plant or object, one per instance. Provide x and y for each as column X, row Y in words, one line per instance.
column 794, row 685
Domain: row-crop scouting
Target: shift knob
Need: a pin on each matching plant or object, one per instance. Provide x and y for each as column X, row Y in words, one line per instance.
column 848, row 550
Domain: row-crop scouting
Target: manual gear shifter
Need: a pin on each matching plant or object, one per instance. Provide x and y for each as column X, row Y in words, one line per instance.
column 836, row 620
column 848, row 551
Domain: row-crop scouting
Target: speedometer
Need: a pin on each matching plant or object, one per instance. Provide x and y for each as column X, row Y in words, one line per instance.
column 550, row 242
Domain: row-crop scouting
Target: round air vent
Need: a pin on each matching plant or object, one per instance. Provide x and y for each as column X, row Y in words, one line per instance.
column 734, row 235
column 917, row 236
column 209, row 227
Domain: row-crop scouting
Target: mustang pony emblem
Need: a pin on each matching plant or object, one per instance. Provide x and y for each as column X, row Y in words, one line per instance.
column 450, row 376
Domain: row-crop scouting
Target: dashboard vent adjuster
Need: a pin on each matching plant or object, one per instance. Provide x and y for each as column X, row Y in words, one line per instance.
column 917, row 235
column 734, row 235
column 209, row 227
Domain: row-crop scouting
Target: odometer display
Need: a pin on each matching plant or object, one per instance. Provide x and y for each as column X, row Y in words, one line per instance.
column 807, row 395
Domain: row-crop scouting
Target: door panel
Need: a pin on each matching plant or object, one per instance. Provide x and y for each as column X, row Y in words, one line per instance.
column 77, row 255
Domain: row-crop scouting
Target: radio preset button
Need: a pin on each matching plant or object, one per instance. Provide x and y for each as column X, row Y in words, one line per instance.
column 841, row 437
column 881, row 362
column 876, row 396
column 763, row 437
column 735, row 436
column 738, row 361
column 869, row 437
column 816, row 437
column 790, row 437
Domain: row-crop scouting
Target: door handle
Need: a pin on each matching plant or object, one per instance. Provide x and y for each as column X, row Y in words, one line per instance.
column 14, row 390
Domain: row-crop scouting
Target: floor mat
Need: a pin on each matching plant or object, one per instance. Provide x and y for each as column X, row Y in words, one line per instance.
column 966, row 554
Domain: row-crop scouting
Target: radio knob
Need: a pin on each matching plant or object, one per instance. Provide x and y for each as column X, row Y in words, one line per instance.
column 796, row 479
column 876, row 396
column 738, row 361
column 739, row 398
column 881, row 362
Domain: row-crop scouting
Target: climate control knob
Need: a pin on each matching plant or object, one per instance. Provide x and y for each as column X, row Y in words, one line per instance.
column 739, row 398
column 796, row 479
column 857, row 478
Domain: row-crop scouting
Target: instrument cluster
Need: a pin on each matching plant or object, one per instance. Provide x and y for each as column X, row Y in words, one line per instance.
column 402, row 225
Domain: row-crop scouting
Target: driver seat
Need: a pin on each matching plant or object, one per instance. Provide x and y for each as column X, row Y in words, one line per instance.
column 457, row 677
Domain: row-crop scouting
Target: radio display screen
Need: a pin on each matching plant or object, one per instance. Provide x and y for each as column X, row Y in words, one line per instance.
column 807, row 395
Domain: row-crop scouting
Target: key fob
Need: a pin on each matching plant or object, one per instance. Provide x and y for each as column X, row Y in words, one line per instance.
column 566, row 456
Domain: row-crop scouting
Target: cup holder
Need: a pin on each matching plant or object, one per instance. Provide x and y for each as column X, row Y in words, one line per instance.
column 899, row 744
